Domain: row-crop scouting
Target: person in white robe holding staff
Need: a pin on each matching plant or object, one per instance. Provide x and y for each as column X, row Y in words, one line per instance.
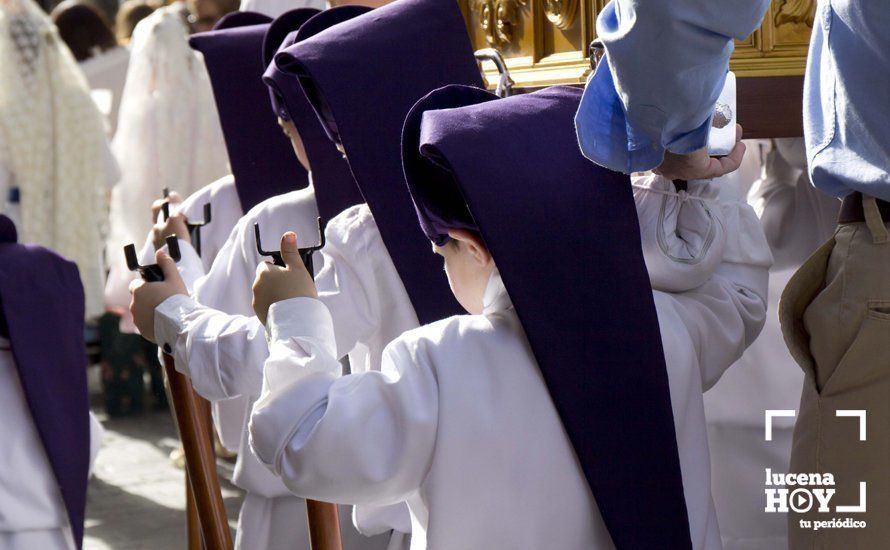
column 360, row 276
column 487, row 452
column 263, row 162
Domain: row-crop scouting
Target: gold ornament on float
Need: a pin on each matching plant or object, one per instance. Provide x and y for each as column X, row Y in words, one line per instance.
column 499, row 19
column 561, row 12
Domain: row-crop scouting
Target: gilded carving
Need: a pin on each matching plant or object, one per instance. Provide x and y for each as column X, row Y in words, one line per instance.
column 796, row 11
column 538, row 56
column 499, row 19
column 561, row 12
column 793, row 21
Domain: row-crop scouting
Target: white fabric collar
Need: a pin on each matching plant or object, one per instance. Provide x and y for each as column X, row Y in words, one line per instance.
column 495, row 298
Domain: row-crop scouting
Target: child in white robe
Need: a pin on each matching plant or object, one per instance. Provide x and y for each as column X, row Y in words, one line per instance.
column 737, row 310
column 223, row 353
column 460, row 414
column 360, row 288
column 32, row 514
column 270, row 516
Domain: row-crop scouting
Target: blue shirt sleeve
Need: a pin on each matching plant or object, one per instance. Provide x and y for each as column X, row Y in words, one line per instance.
column 664, row 68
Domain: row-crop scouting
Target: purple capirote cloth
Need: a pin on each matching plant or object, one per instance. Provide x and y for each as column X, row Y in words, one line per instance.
column 261, row 156
column 335, row 189
column 42, row 308
column 564, row 235
column 362, row 76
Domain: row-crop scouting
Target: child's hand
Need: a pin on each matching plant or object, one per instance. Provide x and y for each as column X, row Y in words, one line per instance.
column 275, row 283
column 148, row 296
column 176, row 225
column 158, row 205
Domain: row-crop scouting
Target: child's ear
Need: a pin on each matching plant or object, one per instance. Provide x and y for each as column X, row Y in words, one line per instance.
column 474, row 244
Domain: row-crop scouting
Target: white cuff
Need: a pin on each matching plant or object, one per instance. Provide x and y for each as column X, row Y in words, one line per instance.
column 682, row 232
column 170, row 324
column 302, row 318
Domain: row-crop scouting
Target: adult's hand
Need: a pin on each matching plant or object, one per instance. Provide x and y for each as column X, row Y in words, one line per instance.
column 698, row 165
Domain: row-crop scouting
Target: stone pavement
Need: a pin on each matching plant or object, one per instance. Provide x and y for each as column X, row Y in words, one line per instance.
column 136, row 497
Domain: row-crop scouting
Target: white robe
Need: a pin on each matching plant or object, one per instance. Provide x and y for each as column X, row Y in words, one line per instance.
column 459, row 411
column 223, row 354
column 274, row 8
column 168, row 135
column 106, row 73
column 797, row 218
column 32, row 514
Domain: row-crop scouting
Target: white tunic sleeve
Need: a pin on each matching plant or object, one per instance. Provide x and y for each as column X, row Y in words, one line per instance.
column 223, row 354
column 725, row 313
column 361, row 439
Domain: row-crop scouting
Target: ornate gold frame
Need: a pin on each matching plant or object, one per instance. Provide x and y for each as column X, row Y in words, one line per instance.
column 544, row 41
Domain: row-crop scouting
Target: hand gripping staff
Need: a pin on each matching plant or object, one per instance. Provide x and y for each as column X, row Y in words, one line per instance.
column 192, row 417
column 194, row 228
column 324, row 519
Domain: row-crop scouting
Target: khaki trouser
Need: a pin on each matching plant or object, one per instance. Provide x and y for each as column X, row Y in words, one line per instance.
column 835, row 315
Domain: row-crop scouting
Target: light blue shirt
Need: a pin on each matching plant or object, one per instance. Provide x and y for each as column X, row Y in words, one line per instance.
column 666, row 62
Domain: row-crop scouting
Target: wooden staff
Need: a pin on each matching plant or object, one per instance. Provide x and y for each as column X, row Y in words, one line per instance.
column 192, row 523
column 323, row 517
column 192, row 415
column 200, row 461
column 324, row 525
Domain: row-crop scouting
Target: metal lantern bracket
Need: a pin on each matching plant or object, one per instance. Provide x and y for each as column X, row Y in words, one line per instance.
column 194, row 228
column 505, row 82
column 151, row 273
column 305, row 253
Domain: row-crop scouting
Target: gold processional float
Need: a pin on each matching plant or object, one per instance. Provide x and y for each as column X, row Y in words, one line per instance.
column 547, row 42
column 523, row 45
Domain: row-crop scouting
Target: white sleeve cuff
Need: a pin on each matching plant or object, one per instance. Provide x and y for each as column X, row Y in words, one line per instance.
column 170, row 318
column 682, row 232
column 302, row 318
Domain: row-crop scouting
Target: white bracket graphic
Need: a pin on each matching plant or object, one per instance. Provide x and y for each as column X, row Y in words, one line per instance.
column 855, row 412
column 772, row 413
column 858, row 509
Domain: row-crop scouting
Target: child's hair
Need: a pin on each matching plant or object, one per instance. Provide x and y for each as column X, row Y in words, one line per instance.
column 83, row 28
column 130, row 14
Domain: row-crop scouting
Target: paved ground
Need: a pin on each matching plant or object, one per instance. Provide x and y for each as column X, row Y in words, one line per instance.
column 136, row 498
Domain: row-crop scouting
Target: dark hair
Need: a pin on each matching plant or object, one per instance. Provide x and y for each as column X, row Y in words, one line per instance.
column 129, row 15
column 83, row 28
